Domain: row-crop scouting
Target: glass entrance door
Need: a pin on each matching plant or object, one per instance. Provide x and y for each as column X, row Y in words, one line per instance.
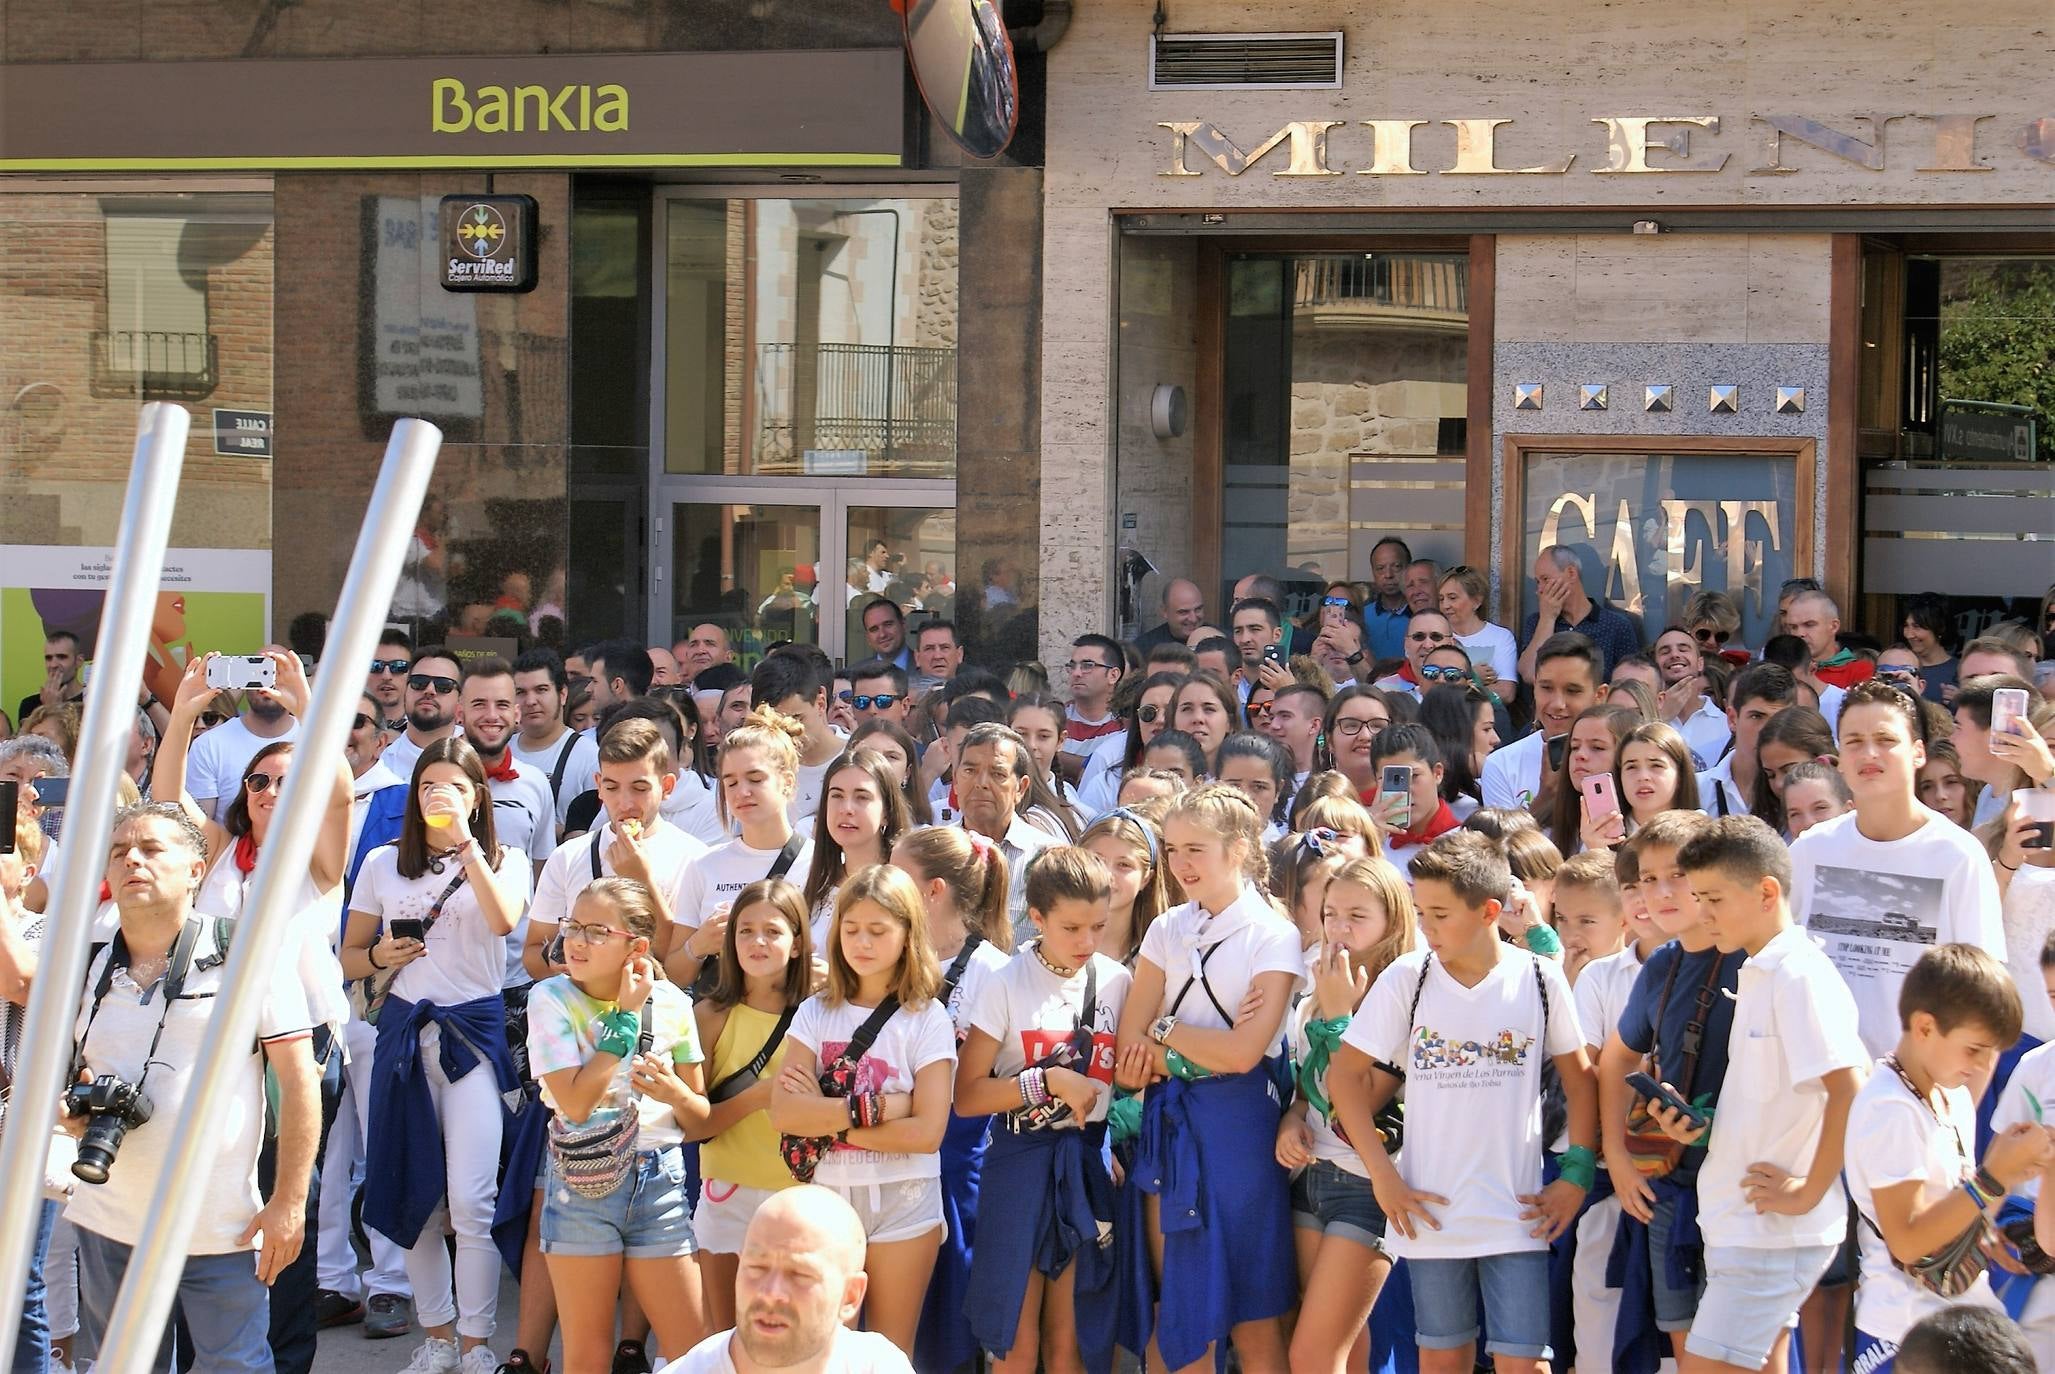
column 776, row 562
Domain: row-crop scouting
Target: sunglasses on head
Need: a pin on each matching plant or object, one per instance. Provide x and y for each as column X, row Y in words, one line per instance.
column 1320, row 840
column 260, row 782
column 421, row 682
column 1335, row 601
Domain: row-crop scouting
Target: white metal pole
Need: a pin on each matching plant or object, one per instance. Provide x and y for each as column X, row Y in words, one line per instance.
column 110, row 719
column 137, row 1325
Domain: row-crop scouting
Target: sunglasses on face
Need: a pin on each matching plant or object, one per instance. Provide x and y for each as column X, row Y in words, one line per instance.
column 1259, row 710
column 1904, row 675
column 1149, row 714
column 389, row 667
column 1427, row 637
column 884, row 701
column 1705, row 635
column 421, row 682
column 363, row 722
column 261, row 782
column 1435, row 673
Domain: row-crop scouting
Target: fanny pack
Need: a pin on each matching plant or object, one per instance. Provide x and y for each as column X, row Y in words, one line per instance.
column 1653, row 1152
column 747, row 1077
column 593, row 1160
column 803, row 1153
column 1952, row 1270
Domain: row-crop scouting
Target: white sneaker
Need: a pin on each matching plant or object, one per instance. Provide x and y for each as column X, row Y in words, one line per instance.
column 434, row 1357
column 479, row 1359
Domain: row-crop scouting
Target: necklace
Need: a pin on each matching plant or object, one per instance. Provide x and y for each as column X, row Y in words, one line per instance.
column 1057, row 969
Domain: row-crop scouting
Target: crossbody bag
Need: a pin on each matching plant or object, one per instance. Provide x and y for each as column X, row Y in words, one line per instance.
column 367, row 995
column 1952, row 1270
column 803, row 1153
column 592, row 1160
column 1653, row 1151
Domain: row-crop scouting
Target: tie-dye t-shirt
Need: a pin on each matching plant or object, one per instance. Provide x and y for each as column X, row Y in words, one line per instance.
column 563, row 1033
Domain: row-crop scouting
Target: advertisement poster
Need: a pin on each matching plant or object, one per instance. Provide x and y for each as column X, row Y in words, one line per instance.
column 217, row 599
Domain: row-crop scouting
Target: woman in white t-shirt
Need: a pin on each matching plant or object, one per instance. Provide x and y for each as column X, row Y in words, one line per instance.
column 1367, row 920
column 884, row 1161
column 862, row 815
column 234, row 842
column 1492, row 648
column 1201, row 1032
column 964, row 884
column 434, row 911
column 1039, row 1060
column 759, row 773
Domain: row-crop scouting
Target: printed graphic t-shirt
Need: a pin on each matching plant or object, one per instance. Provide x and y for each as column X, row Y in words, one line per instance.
column 909, row 1042
column 1472, row 1059
column 1030, row 1012
column 563, row 1032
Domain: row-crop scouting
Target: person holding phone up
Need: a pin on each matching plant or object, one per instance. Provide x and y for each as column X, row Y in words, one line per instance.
column 429, row 918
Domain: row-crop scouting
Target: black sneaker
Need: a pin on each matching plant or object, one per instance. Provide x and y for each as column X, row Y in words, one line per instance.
column 389, row 1316
column 333, row 1309
column 517, row 1362
column 630, row 1358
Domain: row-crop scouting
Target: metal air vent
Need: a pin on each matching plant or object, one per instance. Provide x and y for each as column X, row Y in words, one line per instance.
column 1244, row 61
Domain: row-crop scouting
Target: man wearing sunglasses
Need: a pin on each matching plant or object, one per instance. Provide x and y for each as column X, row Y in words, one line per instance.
column 433, row 677
column 221, row 756
column 878, row 691
column 1425, row 632
column 387, row 680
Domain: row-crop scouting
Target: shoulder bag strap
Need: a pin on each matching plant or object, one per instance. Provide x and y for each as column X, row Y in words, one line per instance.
column 647, row 1037
column 442, row 899
column 1412, row 1016
column 958, row 967
column 867, row 1033
column 1204, row 985
column 770, row 1045
column 556, row 772
column 1694, row 1030
column 1088, row 1014
column 1662, row 1007
column 789, row 856
column 598, row 838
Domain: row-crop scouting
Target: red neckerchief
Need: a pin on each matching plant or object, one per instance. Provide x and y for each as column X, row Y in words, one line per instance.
column 504, row 771
column 1406, row 673
column 246, row 853
column 1440, row 823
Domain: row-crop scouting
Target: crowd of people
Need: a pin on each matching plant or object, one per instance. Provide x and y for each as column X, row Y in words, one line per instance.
column 1373, row 988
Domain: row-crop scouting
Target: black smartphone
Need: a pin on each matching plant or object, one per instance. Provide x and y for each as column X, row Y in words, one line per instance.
column 51, row 791
column 10, row 799
column 1558, row 751
column 407, row 928
column 1656, row 1092
column 1273, row 653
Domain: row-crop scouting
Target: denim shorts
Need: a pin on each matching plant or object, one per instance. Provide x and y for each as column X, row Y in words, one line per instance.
column 1674, row 1307
column 1751, row 1296
column 647, row 1217
column 1516, row 1303
column 1329, row 1199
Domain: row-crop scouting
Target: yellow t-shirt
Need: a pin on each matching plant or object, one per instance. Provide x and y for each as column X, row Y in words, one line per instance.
column 747, row 1152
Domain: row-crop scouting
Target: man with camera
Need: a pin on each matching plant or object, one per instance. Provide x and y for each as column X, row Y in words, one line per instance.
column 148, row 998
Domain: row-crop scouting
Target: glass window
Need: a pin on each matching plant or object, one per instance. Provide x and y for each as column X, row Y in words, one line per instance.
column 907, row 554
column 749, row 569
column 810, row 337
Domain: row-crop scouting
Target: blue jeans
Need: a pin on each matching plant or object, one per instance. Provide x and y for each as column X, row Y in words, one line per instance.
column 1515, row 1292
column 227, row 1311
column 32, row 1345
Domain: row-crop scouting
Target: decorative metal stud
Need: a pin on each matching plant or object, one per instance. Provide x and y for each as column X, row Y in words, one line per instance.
column 1591, row 396
column 1658, row 398
column 1526, row 395
column 1725, row 399
column 1790, row 400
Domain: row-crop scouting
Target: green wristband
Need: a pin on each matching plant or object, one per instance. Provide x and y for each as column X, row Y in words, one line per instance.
column 617, row 1033
column 1542, row 940
column 1578, row 1165
column 1184, row 1068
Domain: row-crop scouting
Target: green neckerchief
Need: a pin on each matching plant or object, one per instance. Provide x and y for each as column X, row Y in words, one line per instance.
column 1835, row 660
column 1321, row 1039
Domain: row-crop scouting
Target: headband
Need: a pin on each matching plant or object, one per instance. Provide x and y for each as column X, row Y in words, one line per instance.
column 1148, row 831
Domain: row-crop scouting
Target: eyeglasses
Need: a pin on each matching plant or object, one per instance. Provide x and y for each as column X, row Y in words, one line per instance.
column 363, row 722
column 1433, row 672
column 421, row 682
column 1905, row 675
column 389, row 667
column 1147, row 714
column 1085, row 665
column 1335, row 601
column 590, row 935
column 1706, row 635
column 884, row 701
column 1348, row 727
column 1427, row 637
column 261, row 782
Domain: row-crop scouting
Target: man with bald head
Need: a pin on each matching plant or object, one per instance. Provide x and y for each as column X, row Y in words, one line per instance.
column 800, row 1283
column 1184, row 610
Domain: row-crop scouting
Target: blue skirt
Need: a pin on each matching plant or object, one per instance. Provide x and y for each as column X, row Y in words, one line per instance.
column 944, row 1342
column 1057, row 1202
column 1208, row 1152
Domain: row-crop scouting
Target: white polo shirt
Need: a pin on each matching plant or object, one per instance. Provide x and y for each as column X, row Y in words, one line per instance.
column 1252, row 940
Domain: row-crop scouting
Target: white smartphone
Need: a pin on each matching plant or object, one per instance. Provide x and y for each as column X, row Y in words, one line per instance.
column 240, row 672
column 2008, row 710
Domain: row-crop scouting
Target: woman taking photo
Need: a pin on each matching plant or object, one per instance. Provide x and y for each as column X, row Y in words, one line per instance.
column 432, row 913
column 618, row 1056
column 1929, row 633
column 883, row 1138
column 765, row 973
column 759, row 773
column 862, row 815
column 1594, row 747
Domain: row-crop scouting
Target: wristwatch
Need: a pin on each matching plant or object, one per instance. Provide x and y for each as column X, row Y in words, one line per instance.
column 1353, row 659
column 1160, row 1032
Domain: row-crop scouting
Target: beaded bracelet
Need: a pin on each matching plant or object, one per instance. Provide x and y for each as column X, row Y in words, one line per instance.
column 1034, row 1087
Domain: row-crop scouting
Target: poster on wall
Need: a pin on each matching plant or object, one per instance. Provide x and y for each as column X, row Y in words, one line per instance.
column 218, row 599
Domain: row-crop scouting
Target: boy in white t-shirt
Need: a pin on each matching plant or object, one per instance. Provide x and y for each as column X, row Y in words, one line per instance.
column 1465, row 1026
column 1916, row 1185
column 1769, row 1202
column 2027, row 1097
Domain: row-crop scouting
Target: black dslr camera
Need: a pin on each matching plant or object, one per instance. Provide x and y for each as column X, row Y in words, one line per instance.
column 112, row 1109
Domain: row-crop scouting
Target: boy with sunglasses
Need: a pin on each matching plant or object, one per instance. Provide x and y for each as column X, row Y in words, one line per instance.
column 433, row 676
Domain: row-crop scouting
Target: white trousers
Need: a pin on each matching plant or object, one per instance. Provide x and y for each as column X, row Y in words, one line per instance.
column 342, row 1173
column 1594, row 1307
column 468, row 1114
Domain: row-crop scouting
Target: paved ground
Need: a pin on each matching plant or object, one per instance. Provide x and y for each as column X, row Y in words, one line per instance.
column 345, row 1351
